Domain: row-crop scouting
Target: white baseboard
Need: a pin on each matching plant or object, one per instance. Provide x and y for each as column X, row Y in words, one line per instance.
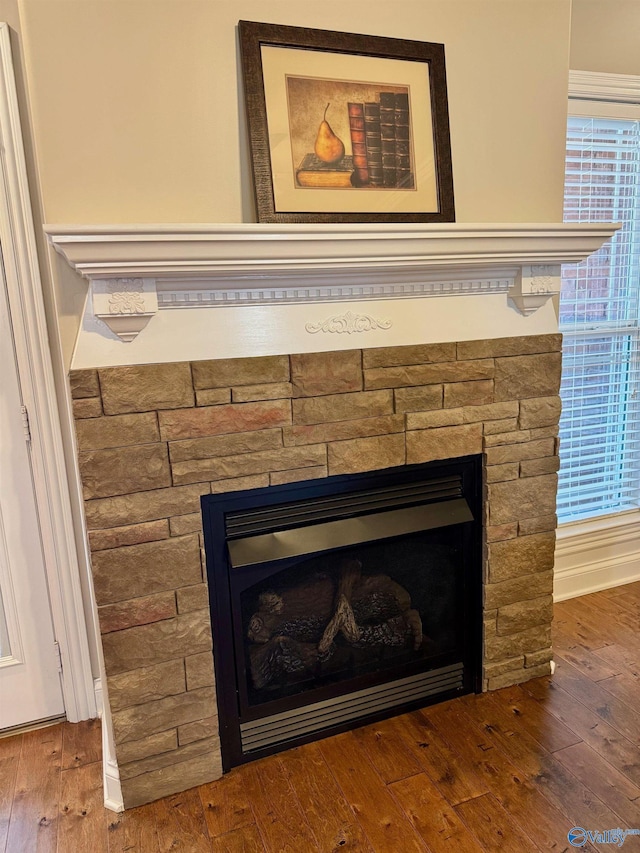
column 112, row 788
column 597, row 554
column 582, row 580
column 110, row 773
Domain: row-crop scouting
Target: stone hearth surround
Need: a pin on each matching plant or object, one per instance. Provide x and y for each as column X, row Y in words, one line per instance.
column 153, row 438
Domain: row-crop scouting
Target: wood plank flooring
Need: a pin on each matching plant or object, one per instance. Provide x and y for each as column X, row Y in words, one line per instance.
column 513, row 770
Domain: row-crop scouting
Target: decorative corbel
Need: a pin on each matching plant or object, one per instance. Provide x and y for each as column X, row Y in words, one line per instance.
column 125, row 304
column 534, row 285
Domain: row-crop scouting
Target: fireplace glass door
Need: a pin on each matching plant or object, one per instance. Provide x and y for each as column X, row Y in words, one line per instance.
column 341, row 601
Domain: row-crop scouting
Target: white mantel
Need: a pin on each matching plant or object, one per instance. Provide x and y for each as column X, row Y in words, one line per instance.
column 296, row 288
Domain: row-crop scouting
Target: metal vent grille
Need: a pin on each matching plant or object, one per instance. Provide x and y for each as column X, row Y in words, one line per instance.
column 306, row 511
column 289, row 725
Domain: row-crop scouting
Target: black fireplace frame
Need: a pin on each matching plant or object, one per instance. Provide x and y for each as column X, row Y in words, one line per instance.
column 216, row 508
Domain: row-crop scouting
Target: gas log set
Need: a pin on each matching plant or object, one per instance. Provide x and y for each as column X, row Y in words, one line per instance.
column 295, row 631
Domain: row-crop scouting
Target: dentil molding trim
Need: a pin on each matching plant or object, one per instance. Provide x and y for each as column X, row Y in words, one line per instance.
column 136, row 270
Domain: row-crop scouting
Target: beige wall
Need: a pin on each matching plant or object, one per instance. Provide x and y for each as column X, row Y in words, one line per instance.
column 605, row 36
column 137, row 104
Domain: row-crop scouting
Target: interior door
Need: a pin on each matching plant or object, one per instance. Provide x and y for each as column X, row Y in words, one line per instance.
column 30, row 688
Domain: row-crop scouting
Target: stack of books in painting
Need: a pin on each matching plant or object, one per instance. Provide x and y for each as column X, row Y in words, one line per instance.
column 385, row 158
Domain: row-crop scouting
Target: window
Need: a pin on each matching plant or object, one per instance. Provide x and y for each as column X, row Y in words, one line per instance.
column 599, row 317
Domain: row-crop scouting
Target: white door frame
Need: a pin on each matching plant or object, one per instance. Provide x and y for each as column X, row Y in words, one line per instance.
column 36, row 378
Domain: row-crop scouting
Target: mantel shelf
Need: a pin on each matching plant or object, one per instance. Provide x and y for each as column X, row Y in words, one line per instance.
column 136, row 270
column 269, row 251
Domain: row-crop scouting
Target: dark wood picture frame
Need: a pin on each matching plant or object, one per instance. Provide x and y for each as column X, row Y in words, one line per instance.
column 348, row 190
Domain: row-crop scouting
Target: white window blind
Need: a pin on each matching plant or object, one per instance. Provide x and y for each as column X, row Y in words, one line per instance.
column 599, row 311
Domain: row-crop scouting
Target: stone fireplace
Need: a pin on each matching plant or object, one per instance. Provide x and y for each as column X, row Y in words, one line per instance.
column 152, row 439
column 157, row 434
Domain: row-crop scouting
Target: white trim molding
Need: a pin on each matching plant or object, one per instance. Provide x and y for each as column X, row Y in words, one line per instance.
column 597, row 86
column 238, row 251
column 312, row 286
column 597, row 554
column 112, row 787
column 603, row 552
column 37, row 384
column 151, row 267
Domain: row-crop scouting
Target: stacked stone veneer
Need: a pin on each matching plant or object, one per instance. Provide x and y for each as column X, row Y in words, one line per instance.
column 152, row 439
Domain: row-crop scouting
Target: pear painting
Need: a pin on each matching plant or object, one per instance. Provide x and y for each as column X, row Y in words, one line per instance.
column 328, row 147
column 350, row 135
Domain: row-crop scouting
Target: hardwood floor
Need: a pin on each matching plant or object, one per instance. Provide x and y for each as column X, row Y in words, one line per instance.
column 513, row 770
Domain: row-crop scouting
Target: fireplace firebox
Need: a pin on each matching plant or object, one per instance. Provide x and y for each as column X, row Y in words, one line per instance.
column 341, row 601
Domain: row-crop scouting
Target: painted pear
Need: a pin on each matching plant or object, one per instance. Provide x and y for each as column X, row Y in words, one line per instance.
column 328, row 146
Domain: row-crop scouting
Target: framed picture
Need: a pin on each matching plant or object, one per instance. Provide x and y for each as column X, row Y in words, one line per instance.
column 346, row 128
